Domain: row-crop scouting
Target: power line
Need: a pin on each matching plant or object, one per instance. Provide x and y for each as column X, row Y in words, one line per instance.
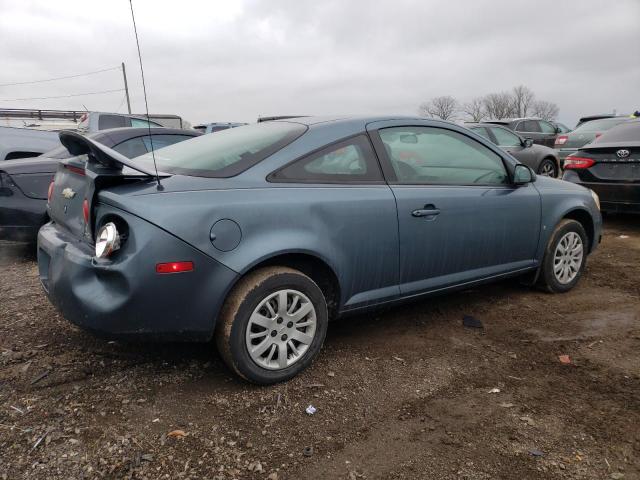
column 61, row 96
column 59, row 78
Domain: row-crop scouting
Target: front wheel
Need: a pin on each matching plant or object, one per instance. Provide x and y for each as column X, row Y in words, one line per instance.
column 272, row 325
column 565, row 257
column 548, row 168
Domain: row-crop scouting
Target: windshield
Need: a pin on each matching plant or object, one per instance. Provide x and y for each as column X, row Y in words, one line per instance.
column 599, row 125
column 226, row 153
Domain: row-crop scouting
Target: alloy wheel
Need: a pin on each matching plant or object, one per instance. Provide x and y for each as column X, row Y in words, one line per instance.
column 281, row 329
column 568, row 257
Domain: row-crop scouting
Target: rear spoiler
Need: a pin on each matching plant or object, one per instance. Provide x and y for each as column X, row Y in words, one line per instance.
column 78, row 144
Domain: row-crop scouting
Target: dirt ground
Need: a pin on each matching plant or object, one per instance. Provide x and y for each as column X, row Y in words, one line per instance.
column 400, row 394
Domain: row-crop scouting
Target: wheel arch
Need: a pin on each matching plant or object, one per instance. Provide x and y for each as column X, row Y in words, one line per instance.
column 584, row 218
column 312, row 265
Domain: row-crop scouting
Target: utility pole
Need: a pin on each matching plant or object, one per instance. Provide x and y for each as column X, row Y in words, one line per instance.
column 126, row 87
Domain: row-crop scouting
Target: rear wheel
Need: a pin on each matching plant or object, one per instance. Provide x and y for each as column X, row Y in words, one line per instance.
column 565, row 257
column 548, row 168
column 272, row 325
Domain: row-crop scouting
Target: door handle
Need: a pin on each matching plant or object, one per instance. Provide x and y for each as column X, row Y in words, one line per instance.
column 427, row 211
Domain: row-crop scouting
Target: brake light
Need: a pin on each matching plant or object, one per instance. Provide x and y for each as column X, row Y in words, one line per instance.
column 174, row 267
column 85, row 210
column 50, row 192
column 561, row 140
column 577, row 163
column 76, row 170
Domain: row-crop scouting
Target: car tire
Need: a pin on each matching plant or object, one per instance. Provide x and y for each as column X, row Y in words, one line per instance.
column 565, row 257
column 548, row 168
column 277, row 351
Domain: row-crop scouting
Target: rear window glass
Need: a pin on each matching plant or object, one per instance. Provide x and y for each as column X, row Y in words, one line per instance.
column 629, row 132
column 226, row 153
column 600, row 125
column 113, row 121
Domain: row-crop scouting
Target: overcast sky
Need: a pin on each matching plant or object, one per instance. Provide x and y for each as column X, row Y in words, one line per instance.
column 234, row 60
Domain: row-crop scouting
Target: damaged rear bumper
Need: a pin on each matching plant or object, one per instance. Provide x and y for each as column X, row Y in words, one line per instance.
column 124, row 296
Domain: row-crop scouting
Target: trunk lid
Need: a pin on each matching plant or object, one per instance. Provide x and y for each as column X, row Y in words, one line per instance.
column 610, row 167
column 81, row 177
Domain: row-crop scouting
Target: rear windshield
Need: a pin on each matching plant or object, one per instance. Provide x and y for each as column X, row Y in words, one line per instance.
column 226, row 153
column 629, row 132
column 600, row 125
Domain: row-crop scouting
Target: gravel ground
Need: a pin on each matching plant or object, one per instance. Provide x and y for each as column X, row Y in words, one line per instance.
column 400, row 394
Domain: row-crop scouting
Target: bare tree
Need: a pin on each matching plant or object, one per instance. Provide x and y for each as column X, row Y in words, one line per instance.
column 523, row 99
column 545, row 110
column 444, row 107
column 475, row 109
column 498, row 105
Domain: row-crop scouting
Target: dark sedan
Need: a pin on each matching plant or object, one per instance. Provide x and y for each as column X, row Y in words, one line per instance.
column 568, row 143
column 610, row 166
column 24, row 183
column 541, row 159
column 541, row 131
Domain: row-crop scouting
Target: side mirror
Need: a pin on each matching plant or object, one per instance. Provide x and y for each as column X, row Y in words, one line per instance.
column 528, row 142
column 522, row 175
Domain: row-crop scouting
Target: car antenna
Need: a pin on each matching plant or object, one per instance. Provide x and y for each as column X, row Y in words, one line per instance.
column 144, row 90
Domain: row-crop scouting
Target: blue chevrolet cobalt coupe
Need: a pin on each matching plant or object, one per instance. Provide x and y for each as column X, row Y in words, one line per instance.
column 258, row 235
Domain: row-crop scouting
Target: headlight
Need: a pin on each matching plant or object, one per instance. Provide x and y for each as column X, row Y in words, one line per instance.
column 107, row 241
column 596, row 198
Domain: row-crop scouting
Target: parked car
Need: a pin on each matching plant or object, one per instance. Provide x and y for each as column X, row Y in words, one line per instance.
column 541, row 131
column 256, row 236
column 569, row 143
column 216, row 127
column 25, row 142
column 24, row 183
column 589, row 118
column 610, row 166
column 542, row 160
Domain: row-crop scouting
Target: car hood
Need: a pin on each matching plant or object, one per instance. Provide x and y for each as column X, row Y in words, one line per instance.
column 29, row 165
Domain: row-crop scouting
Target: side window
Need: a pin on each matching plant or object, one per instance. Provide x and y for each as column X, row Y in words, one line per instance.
column 351, row 160
column 131, row 148
column 161, row 141
column 505, row 138
column 437, row 156
column 530, row 126
column 482, row 132
column 113, row 121
column 546, row 127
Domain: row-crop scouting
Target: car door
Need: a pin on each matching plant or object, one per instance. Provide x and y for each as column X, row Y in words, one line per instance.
column 549, row 133
column 459, row 217
column 530, row 129
column 512, row 143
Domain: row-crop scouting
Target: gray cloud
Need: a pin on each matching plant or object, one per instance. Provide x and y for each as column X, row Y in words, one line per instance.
column 228, row 61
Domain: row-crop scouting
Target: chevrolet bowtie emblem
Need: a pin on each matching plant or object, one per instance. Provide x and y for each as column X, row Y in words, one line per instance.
column 68, row 193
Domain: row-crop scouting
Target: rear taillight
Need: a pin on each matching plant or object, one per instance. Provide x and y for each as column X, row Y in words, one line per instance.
column 577, row 163
column 174, row 267
column 561, row 140
column 50, row 192
column 85, row 211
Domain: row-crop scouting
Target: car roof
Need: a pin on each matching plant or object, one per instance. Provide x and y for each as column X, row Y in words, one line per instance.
column 354, row 120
